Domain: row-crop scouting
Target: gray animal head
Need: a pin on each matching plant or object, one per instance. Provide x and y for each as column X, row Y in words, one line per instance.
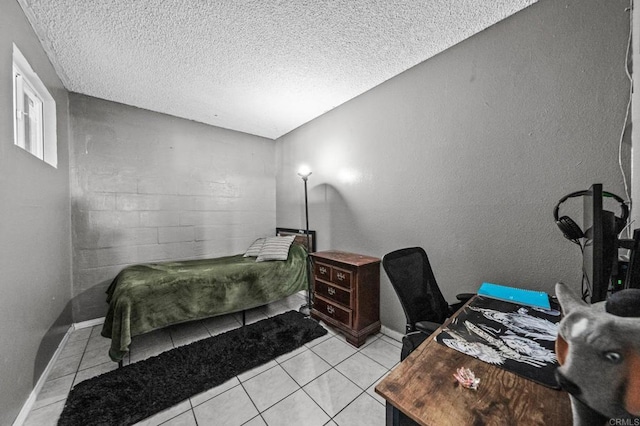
column 598, row 349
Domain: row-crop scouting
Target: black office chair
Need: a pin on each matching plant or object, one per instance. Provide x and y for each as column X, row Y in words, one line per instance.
column 424, row 305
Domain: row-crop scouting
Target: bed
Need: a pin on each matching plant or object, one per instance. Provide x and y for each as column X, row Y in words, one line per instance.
column 150, row 296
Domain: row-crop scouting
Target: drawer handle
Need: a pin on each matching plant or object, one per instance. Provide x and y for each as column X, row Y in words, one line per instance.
column 330, row 309
column 331, row 291
column 341, row 276
column 322, row 270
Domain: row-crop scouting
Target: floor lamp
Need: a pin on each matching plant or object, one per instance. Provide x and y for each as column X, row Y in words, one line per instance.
column 304, row 173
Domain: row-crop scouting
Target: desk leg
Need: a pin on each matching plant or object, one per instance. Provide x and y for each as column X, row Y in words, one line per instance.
column 393, row 415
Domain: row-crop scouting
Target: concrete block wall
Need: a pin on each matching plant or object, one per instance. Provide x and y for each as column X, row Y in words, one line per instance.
column 148, row 187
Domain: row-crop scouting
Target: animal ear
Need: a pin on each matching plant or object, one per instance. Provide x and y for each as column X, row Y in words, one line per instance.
column 567, row 299
column 562, row 347
column 632, row 391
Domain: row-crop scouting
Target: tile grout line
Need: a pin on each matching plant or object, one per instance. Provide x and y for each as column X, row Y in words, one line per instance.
column 277, row 363
column 252, row 401
column 301, row 387
column 333, row 367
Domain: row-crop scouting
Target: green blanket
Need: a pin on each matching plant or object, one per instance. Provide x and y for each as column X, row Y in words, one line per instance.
column 146, row 297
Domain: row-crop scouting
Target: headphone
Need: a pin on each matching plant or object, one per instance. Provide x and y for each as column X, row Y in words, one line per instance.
column 572, row 231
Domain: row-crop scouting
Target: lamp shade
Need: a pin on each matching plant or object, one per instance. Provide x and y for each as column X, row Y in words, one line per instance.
column 304, row 172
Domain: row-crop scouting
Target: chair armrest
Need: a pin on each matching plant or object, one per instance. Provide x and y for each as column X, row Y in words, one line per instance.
column 463, row 297
column 427, row 326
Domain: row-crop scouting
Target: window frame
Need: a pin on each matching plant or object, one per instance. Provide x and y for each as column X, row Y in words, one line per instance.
column 34, row 112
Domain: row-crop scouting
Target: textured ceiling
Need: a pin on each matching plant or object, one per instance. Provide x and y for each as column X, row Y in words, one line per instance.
column 262, row 67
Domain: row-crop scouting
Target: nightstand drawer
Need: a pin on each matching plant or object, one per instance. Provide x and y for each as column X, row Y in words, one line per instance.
column 334, row 311
column 333, row 293
column 341, row 277
column 322, row 271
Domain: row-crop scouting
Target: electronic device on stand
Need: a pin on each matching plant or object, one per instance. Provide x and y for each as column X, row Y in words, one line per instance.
column 633, row 266
column 603, row 272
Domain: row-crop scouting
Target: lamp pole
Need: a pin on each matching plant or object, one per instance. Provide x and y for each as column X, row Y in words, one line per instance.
column 304, row 174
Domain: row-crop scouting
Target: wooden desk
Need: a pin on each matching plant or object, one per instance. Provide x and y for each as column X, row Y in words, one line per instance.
column 423, row 387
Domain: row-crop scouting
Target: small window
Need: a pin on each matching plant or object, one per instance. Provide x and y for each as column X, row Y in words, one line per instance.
column 34, row 111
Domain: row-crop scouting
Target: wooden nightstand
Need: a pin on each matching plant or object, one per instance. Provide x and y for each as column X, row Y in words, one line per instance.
column 346, row 293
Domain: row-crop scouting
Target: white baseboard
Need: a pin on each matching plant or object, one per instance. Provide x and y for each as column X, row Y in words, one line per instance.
column 89, row 323
column 391, row 333
column 26, row 408
column 28, row 405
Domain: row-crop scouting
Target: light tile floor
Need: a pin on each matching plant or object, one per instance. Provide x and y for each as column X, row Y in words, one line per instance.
column 325, row 382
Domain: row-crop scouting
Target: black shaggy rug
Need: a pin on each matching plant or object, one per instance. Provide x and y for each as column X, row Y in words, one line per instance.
column 129, row 394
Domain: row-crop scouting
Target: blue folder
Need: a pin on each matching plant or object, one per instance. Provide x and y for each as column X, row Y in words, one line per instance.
column 537, row 299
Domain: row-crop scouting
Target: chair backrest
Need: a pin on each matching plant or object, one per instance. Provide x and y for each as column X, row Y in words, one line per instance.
column 412, row 278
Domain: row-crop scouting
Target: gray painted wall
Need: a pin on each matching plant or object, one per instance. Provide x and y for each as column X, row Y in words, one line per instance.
column 467, row 153
column 150, row 187
column 35, row 234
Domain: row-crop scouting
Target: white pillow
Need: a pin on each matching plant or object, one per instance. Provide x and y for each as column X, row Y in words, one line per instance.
column 254, row 248
column 276, row 248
